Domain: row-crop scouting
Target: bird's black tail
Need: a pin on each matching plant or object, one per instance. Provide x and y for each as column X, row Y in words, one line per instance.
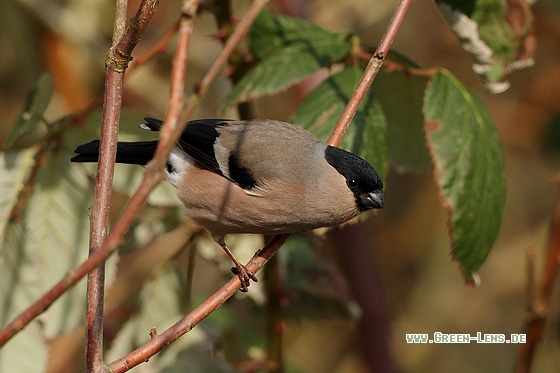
column 127, row 152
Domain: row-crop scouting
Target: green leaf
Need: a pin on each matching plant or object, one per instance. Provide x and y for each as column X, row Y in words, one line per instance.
column 272, row 32
column 401, row 96
column 32, row 115
column 366, row 135
column 485, row 30
column 469, row 168
column 288, row 61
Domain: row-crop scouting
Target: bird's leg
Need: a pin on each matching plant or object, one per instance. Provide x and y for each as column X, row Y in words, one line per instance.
column 240, row 270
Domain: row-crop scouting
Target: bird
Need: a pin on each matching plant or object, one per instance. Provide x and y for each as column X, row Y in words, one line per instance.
column 256, row 176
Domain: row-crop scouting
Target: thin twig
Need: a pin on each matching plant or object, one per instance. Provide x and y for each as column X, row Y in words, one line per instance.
column 242, row 28
column 530, row 284
column 121, row 54
column 536, row 318
column 27, row 189
column 158, row 47
column 190, row 273
column 369, row 74
column 427, row 72
column 170, row 131
column 275, row 315
column 174, row 125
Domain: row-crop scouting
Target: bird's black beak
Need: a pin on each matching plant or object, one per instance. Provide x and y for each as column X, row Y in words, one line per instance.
column 373, row 200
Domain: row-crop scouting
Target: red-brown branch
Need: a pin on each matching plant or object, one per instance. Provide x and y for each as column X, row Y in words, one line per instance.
column 369, row 74
column 99, row 213
column 536, row 315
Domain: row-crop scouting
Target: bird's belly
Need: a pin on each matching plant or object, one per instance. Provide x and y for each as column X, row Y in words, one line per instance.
column 222, row 207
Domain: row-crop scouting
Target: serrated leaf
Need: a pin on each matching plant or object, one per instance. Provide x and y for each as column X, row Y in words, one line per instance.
column 401, row 96
column 321, row 109
column 469, row 168
column 32, row 115
column 497, row 34
column 291, row 61
column 271, row 32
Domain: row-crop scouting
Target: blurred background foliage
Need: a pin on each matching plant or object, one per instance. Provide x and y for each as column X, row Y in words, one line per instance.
column 329, row 318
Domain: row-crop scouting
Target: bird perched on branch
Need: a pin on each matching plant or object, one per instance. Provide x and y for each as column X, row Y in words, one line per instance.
column 256, row 176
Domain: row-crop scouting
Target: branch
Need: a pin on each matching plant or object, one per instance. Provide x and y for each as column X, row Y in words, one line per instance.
column 538, row 309
column 158, row 47
column 99, row 213
column 120, row 55
column 240, row 31
column 369, row 74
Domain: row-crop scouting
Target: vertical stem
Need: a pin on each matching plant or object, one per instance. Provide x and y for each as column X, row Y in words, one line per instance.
column 190, row 273
column 99, row 214
column 538, row 310
column 274, row 293
column 352, row 246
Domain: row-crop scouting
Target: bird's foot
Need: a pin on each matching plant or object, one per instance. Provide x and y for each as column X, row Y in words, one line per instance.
column 245, row 276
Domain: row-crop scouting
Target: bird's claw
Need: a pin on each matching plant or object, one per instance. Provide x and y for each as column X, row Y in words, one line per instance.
column 245, row 276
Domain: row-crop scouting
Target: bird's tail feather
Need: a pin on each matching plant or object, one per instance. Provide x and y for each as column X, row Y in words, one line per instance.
column 127, row 152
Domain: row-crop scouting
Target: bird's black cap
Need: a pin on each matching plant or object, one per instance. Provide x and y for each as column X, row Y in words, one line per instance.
column 361, row 177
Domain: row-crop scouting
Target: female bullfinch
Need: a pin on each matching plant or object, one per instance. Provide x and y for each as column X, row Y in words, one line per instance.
column 257, row 176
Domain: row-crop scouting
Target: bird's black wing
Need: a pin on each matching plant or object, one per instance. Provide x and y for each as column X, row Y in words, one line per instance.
column 197, row 140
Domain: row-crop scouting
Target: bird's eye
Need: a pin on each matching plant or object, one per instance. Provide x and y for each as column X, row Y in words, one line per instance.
column 352, row 183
